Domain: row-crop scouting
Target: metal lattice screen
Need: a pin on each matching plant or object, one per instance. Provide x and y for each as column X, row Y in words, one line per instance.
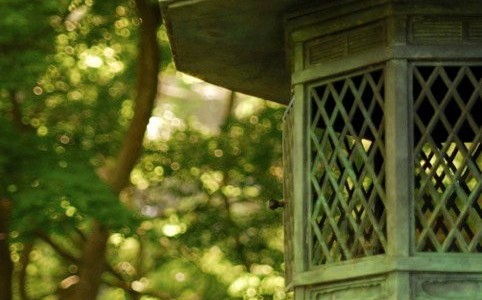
column 288, row 144
column 347, row 169
column 448, row 158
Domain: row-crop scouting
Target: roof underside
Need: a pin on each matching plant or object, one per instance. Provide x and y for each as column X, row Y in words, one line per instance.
column 237, row 44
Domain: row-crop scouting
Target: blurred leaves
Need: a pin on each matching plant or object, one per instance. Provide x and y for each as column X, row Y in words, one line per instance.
column 23, row 46
column 53, row 186
column 193, row 225
column 214, row 188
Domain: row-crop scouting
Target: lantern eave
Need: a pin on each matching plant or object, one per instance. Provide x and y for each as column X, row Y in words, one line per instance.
column 235, row 44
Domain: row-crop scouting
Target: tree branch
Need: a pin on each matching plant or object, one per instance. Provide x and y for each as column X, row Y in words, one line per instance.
column 147, row 86
column 60, row 251
column 126, row 286
column 16, row 112
column 6, row 267
column 22, row 275
column 227, row 204
column 113, row 272
column 81, row 234
column 140, row 257
column 93, row 258
column 229, row 110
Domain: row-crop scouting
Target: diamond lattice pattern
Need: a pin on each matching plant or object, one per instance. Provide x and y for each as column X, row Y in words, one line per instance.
column 448, row 158
column 288, row 189
column 347, row 169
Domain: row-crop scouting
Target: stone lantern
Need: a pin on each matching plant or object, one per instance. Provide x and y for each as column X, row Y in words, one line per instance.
column 383, row 133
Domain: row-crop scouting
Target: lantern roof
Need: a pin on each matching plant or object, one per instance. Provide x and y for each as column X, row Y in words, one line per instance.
column 237, row 44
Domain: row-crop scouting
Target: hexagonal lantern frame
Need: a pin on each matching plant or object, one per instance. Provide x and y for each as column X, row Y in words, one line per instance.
column 383, row 136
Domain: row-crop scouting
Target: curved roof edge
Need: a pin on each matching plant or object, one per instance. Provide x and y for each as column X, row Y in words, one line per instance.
column 236, row 44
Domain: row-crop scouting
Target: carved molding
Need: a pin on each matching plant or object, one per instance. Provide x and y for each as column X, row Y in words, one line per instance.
column 339, row 45
column 447, row 287
column 441, row 30
column 358, row 290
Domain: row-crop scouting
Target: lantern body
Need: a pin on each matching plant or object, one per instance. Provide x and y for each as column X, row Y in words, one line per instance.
column 384, row 151
column 382, row 139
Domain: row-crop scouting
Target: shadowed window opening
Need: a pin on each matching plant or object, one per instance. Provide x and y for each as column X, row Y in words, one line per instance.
column 347, row 217
column 448, row 158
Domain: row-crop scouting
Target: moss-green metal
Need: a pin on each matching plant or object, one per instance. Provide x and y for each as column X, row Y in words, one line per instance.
column 433, row 192
column 411, row 184
column 232, row 43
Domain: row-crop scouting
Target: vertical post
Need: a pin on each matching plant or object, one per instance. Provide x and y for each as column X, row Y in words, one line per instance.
column 299, row 169
column 398, row 173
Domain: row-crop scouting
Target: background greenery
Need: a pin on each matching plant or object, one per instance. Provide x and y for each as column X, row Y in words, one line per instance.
column 190, row 222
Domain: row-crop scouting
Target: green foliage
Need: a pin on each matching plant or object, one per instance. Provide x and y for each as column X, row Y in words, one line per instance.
column 70, row 85
column 205, row 232
column 23, row 46
column 54, row 187
column 210, row 191
column 11, row 152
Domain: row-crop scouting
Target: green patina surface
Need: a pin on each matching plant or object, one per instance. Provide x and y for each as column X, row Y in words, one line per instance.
column 383, row 139
column 232, row 43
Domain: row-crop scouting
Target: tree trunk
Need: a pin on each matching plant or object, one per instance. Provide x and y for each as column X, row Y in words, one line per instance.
column 92, row 265
column 147, row 82
column 6, row 265
column 93, row 259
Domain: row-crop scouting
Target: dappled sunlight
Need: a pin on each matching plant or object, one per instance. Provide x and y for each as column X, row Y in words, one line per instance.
column 92, row 61
column 249, row 107
column 140, row 285
column 260, row 281
column 188, row 221
column 171, row 230
column 173, row 226
column 161, row 126
column 213, row 261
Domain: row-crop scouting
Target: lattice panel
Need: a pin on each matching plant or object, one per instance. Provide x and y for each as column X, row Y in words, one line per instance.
column 288, row 189
column 347, row 168
column 448, row 158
